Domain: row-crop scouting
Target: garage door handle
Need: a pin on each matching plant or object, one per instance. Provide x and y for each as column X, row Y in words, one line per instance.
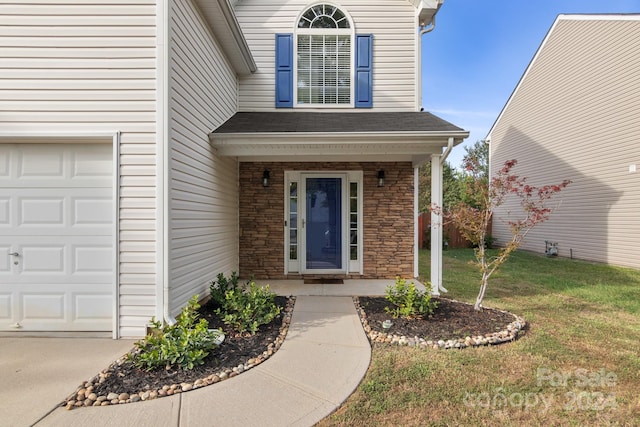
column 14, row 254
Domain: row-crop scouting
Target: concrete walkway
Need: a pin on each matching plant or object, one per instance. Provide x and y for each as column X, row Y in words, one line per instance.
column 323, row 359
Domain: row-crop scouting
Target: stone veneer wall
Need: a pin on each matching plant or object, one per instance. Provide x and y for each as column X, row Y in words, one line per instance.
column 388, row 218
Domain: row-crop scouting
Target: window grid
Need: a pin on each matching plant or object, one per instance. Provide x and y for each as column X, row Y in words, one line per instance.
column 353, row 221
column 323, row 16
column 293, row 221
column 324, row 69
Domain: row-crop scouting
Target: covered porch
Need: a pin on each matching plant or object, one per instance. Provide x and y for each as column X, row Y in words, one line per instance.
column 334, row 195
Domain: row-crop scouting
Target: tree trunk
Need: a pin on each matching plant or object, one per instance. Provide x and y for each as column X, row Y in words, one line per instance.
column 483, row 288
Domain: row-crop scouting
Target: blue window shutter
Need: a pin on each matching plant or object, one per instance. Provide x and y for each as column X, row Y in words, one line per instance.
column 284, row 70
column 364, row 71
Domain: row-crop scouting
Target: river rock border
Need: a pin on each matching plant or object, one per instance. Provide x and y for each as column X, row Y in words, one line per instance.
column 84, row 395
column 513, row 330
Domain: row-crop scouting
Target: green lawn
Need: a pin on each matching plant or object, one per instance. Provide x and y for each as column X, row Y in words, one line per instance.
column 578, row 363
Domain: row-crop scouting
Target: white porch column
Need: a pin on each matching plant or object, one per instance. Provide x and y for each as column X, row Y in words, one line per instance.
column 436, row 225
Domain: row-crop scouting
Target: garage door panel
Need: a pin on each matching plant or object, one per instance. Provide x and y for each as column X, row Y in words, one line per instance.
column 5, row 260
column 41, row 212
column 74, row 212
column 92, row 210
column 91, row 164
column 33, row 161
column 56, row 212
column 94, row 307
column 94, row 260
column 4, row 161
column 43, row 259
column 6, row 312
column 5, row 212
column 71, row 310
column 85, row 258
column 43, row 306
column 55, row 165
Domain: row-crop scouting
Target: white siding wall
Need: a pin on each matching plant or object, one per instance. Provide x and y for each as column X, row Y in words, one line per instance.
column 575, row 116
column 90, row 66
column 203, row 234
column 392, row 22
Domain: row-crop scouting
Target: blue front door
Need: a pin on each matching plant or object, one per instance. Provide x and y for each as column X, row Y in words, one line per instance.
column 323, row 223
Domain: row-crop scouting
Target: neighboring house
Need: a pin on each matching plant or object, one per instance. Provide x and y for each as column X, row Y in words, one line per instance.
column 576, row 115
column 146, row 147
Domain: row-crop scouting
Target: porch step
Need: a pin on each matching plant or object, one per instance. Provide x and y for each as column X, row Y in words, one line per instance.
column 321, row 281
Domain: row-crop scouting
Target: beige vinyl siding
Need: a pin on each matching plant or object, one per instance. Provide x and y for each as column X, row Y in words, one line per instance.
column 391, row 21
column 87, row 66
column 203, row 232
column 575, row 116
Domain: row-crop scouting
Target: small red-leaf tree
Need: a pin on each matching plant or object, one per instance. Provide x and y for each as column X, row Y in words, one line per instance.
column 481, row 196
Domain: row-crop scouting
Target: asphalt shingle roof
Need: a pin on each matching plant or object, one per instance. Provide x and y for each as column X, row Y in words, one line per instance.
column 319, row 122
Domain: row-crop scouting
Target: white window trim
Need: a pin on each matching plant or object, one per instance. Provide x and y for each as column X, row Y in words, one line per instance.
column 321, row 31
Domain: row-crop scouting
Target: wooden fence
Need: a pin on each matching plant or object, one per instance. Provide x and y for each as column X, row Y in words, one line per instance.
column 450, row 234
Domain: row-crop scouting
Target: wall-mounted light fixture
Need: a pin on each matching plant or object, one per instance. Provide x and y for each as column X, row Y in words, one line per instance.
column 266, row 175
column 380, row 178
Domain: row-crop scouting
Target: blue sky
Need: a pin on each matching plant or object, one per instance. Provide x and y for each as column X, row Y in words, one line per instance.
column 478, row 51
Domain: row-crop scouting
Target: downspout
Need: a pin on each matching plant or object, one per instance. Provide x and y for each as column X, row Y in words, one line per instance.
column 423, row 30
column 434, row 259
column 447, row 151
column 427, row 29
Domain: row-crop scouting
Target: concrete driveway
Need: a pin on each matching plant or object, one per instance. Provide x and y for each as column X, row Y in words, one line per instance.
column 36, row 374
column 321, row 362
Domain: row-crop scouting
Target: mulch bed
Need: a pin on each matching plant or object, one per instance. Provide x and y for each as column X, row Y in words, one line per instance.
column 236, row 350
column 453, row 324
column 451, row 320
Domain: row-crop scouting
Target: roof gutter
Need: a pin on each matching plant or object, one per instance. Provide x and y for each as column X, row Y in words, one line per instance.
column 241, row 42
column 462, row 134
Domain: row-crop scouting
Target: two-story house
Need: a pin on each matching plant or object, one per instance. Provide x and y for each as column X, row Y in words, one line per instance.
column 146, row 147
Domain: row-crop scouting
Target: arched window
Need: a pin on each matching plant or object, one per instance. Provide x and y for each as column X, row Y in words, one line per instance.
column 324, row 57
column 323, row 16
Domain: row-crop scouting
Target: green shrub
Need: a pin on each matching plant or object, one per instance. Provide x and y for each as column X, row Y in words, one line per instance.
column 185, row 343
column 247, row 309
column 219, row 287
column 408, row 301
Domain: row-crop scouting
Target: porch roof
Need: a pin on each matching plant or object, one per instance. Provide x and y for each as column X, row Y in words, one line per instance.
column 331, row 136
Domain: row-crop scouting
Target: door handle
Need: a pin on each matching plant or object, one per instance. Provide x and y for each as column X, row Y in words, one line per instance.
column 14, row 254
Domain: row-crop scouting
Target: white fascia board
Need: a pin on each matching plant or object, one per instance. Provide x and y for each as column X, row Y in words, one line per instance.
column 370, row 137
column 408, row 145
column 224, row 25
column 332, row 158
column 409, row 150
column 342, row 149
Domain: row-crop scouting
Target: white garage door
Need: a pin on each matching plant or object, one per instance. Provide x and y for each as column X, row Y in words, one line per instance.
column 56, row 227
